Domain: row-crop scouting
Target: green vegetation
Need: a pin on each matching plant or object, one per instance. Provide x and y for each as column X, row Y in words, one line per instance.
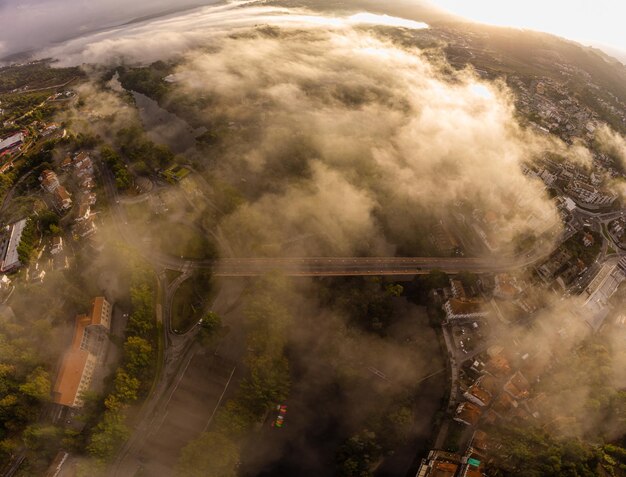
column 183, row 240
column 35, row 75
column 268, row 317
column 190, row 300
column 530, row 452
column 135, row 145
column 48, row 223
column 28, row 354
column 387, row 429
column 21, row 103
column 418, row 290
column 147, row 80
column 357, row 456
column 133, row 378
column 123, row 178
column 27, row 249
column 581, row 252
column 574, row 437
column 175, row 174
column 366, row 300
column 211, row 455
column 453, row 438
column 85, row 141
column 210, row 327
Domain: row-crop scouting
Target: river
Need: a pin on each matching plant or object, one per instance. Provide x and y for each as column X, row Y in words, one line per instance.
column 161, row 126
column 164, row 127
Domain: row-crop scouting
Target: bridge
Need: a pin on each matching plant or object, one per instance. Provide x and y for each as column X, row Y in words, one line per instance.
column 348, row 266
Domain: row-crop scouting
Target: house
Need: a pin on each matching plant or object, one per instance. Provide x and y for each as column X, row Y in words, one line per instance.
column 84, row 356
column 457, row 309
column 83, row 165
column 498, row 365
column 57, row 245
column 467, row 413
column 517, row 386
column 480, row 441
column 66, row 162
column 85, row 228
column 90, row 198
column 504, row 404
column 84, row 212
column 49, row 129
column 439, row 464
column 62, row 198
column 49, row 181
column 481, row 392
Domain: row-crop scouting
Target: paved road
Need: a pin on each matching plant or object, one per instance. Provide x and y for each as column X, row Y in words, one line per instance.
column 331, row 266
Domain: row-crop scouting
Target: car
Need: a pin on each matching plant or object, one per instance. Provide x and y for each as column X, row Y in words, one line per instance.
column 280, row 419
column 279, row 422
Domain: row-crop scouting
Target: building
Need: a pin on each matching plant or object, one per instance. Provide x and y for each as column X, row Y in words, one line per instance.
column 458, row 290
column 49, row 181
column 517, row 386
column 506, row 287
column 588, row 196
column 439, row 464
column 85, row 228
column 83, row 164
column 11, row 142
column 464, row 309
column 57, row 245
column 62, row 198
column 588, row 240
column 481, row 392
column 84, row 356
column 472, row 465
column 8, row 246
column 49, row 129
column 467, row 413
column 84, row 212
column 5, row 282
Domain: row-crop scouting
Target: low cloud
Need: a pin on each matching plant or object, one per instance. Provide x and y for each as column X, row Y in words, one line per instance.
column 612, row 143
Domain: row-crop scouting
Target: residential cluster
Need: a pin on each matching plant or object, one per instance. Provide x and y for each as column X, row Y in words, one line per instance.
column 494, row 382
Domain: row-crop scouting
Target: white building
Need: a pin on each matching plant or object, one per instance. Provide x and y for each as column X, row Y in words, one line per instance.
column 9, row 244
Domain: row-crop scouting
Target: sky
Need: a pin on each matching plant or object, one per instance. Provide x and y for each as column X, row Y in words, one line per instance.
column 32, row 24
column 591, row 22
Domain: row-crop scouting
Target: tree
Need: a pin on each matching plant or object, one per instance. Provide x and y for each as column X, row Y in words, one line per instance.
column 108, row 435
column 210, row 455
column 37, row 385
column 48, row 220
column 138, row 355
column 358, row 454
column 394, row 289
column 27, row 246
column 468, row 279
column 126, row 387
column 211, row 322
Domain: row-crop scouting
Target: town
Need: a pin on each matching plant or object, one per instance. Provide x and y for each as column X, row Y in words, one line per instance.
column 113, row 243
